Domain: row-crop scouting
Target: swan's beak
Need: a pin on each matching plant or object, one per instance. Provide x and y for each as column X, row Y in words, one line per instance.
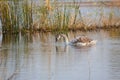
column 57, row 38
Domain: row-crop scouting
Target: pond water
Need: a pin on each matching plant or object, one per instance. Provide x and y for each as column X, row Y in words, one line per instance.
column 38, row 57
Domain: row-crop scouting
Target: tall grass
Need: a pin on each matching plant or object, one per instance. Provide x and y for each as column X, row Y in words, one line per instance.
column 5, row 18
column 14, row 17
column 58, row 18
column 26, row 15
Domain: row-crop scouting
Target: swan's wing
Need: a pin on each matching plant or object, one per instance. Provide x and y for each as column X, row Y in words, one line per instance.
column 85, row 39
column 81, row 39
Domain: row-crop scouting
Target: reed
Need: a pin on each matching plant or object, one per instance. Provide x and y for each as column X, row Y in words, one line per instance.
column 59, row 18
column 13, row 16
column 28, row 16
column 5, row 17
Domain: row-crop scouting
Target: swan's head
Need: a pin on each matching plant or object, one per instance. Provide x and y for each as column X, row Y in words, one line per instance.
column 59, row 36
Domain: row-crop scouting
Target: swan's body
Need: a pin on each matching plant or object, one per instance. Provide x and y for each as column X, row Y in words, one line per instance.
column 79, row 41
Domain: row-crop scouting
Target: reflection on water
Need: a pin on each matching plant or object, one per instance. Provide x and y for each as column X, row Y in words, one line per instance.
column 38, row 57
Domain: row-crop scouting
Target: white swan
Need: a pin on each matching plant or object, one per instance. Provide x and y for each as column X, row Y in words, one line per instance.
column 79, row 41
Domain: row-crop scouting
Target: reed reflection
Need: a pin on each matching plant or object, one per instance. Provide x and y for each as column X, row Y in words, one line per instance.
column 9, row 53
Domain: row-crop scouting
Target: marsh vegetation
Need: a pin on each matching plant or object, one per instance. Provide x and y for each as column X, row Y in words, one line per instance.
column 29, row 15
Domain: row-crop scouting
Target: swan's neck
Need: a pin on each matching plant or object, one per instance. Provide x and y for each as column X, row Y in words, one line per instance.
column 65, row 39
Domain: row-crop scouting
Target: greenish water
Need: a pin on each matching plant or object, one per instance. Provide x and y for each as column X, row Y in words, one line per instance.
column 38, row 57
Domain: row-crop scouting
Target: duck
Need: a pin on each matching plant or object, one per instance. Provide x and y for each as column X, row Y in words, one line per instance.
column 78, row 41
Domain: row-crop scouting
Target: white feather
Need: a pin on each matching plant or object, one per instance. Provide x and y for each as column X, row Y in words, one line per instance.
column 79, row 41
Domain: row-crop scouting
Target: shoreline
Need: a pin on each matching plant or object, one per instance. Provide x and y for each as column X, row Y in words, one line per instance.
column 54, row 30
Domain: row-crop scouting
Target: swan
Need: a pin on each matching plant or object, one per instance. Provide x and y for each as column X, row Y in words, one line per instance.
column 78, row 41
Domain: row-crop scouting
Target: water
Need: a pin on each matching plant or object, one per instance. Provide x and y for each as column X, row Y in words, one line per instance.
column 38, row 57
